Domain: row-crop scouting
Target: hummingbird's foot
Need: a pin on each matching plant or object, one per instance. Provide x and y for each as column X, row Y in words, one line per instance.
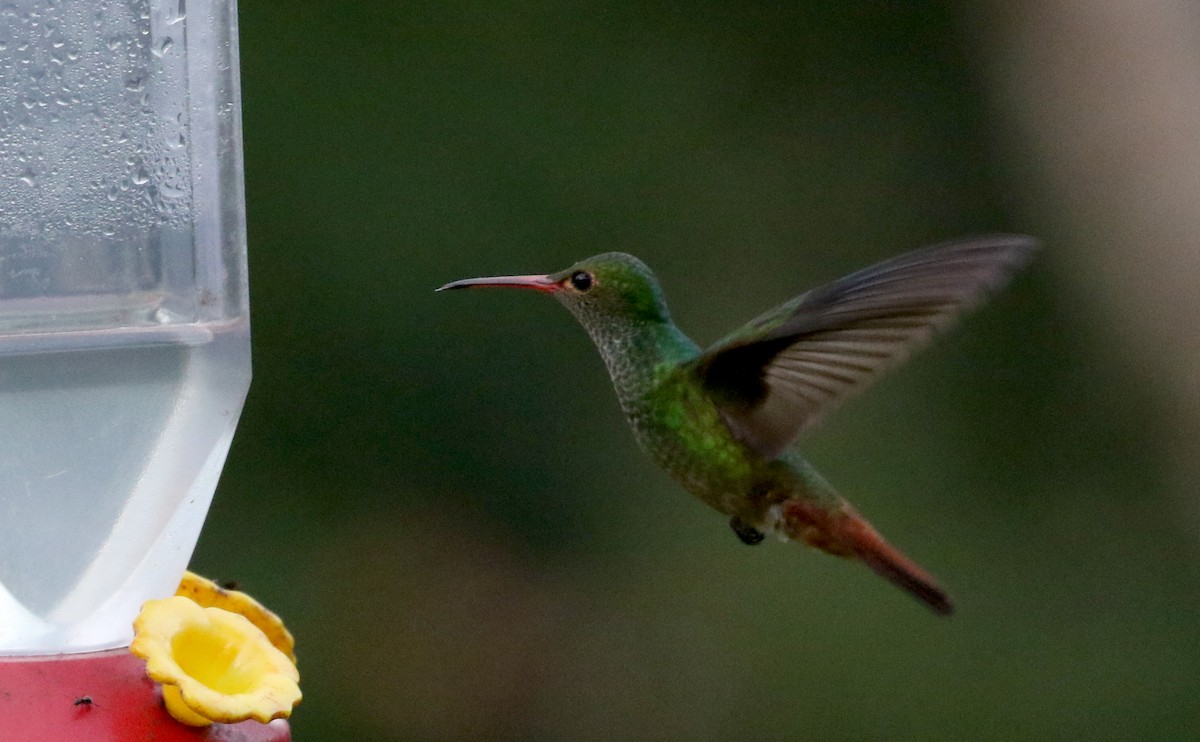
column 746, row 532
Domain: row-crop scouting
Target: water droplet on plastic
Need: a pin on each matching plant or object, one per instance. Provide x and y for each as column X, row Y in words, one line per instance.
column 164, row 47
column 178, row 14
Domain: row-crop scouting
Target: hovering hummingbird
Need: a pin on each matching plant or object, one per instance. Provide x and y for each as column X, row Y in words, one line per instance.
column 722, row 421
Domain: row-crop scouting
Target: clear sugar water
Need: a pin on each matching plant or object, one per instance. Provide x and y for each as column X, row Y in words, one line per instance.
column 124, row 329
column 110, row 453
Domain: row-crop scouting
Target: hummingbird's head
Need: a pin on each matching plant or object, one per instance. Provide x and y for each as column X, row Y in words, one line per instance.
column 617, row 300
column 612, row 286
column 601, row 291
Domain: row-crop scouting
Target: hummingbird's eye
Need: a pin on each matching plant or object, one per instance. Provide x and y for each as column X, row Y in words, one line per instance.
column 581, row 281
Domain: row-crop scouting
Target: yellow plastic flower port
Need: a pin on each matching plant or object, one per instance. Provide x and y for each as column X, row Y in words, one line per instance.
column 211, row 595
column 213, row 665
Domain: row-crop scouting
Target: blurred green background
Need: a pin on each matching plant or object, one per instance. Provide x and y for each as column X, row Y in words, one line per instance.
column 440, row 495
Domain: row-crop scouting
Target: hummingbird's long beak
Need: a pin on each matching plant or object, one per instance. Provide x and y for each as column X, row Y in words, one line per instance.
column 537, row 283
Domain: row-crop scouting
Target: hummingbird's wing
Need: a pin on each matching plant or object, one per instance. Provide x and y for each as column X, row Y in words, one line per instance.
column 776, row 376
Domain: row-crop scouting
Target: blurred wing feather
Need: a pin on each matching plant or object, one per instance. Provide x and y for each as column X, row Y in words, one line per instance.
column 778, row 375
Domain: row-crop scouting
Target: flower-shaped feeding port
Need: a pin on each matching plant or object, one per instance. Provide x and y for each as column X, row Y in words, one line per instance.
column 209, row 594
column 214, row 665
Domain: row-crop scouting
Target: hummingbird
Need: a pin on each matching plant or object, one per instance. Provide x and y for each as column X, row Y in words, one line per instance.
column 722, row 421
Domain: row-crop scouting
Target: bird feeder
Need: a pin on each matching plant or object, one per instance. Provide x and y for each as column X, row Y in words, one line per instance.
column 124, row 341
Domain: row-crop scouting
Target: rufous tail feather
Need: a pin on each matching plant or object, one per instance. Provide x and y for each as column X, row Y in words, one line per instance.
column 846, row 533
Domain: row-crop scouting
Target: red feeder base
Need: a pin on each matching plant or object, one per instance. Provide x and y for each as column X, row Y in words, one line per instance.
column 101, row 697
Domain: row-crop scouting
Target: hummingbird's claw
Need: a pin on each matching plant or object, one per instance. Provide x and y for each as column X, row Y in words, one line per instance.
column 749, row 535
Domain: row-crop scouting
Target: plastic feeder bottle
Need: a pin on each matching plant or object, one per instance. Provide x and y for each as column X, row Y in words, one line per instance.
column 124, row 339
